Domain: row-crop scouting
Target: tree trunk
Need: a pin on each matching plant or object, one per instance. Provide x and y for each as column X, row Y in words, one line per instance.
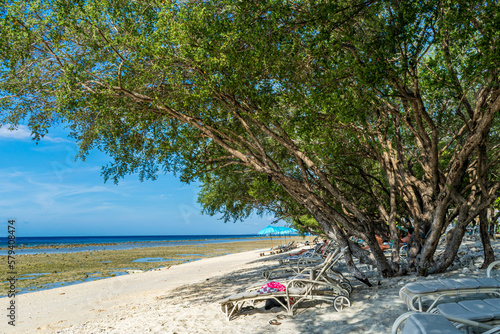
column 383, row 265
column 343, row 241
column 494, row 221
column 431, row 239
column 483, row 176
column 395, row 256
column 489, row 255
column 414, row 248
column 361, row 254
column 351, row 266
column 451, row 249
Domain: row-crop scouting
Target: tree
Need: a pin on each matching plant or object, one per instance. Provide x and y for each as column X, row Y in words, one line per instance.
column 422, row 96
column 401, row 95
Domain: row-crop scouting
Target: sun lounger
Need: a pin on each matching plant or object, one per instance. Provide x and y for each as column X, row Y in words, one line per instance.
column 292, row 267
column 429, row 323
column 323, row 272
column 289, row 246
column 298, row 290
column 279, row 249
column 304, row 253
column 313, row 255
column 414, row 294
column 492, row 270
column 484, row 311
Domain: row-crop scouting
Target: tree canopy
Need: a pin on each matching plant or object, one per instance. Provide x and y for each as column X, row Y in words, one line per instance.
column 361, row 114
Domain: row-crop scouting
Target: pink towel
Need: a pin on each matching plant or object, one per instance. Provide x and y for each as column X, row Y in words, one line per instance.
column 276, row 285
column 271, row 287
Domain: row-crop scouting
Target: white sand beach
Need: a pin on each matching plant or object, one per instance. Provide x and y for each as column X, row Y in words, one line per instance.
column 184, row 299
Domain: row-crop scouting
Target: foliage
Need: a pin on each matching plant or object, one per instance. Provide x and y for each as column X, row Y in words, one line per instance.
column 355, row 112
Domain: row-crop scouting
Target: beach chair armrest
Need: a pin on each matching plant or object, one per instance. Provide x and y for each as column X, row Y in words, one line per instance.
column 492, row 268
column 400, row 320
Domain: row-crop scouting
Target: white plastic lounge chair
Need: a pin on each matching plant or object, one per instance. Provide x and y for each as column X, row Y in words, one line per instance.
column 278, row 249
column 413, row 294
column 292, row 267
column 317, row 253
column 311, row 256
column 287, row 247
column 323, row 272
column 297, row 291
column 484, row 311
column 492, row 270
column 429, row 323
column 308, row 253
column 300, row 270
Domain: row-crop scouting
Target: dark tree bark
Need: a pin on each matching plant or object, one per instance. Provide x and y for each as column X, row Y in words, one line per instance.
column 489, row 254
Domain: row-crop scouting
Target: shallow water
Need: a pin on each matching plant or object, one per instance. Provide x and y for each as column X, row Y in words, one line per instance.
column 66, row 248
column 31, row 276
column 153, row 259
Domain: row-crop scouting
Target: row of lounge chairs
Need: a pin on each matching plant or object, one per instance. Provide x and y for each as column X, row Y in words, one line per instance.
column 312, row 255
column 280, row 249
column 315, row 283
column 429, row 314
column 480, row 312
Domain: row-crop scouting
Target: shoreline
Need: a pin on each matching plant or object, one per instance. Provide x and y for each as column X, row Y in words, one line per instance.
column 43, row 271
column 134, row 244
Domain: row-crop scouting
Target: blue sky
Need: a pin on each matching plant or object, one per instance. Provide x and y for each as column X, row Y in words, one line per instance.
column 48, row 193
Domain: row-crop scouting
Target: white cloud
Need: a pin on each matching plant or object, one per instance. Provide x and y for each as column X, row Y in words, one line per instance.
column 56, row 139
column 21, row 133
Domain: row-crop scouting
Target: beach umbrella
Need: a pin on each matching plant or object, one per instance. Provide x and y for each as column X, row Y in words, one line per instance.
column 270, row 230
column 283, row 230
column 287, row 230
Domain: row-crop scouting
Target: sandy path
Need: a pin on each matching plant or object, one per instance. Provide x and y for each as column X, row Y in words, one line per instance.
column 46, row 311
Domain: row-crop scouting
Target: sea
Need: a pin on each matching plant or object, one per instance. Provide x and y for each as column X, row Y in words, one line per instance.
column 66, row 244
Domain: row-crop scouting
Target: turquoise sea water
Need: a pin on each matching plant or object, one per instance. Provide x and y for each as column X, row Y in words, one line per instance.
column 34, row 245
column 35, row 241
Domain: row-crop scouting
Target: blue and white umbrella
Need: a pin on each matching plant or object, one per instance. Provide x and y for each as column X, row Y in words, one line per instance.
column 270, row 230
column 287, row 231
